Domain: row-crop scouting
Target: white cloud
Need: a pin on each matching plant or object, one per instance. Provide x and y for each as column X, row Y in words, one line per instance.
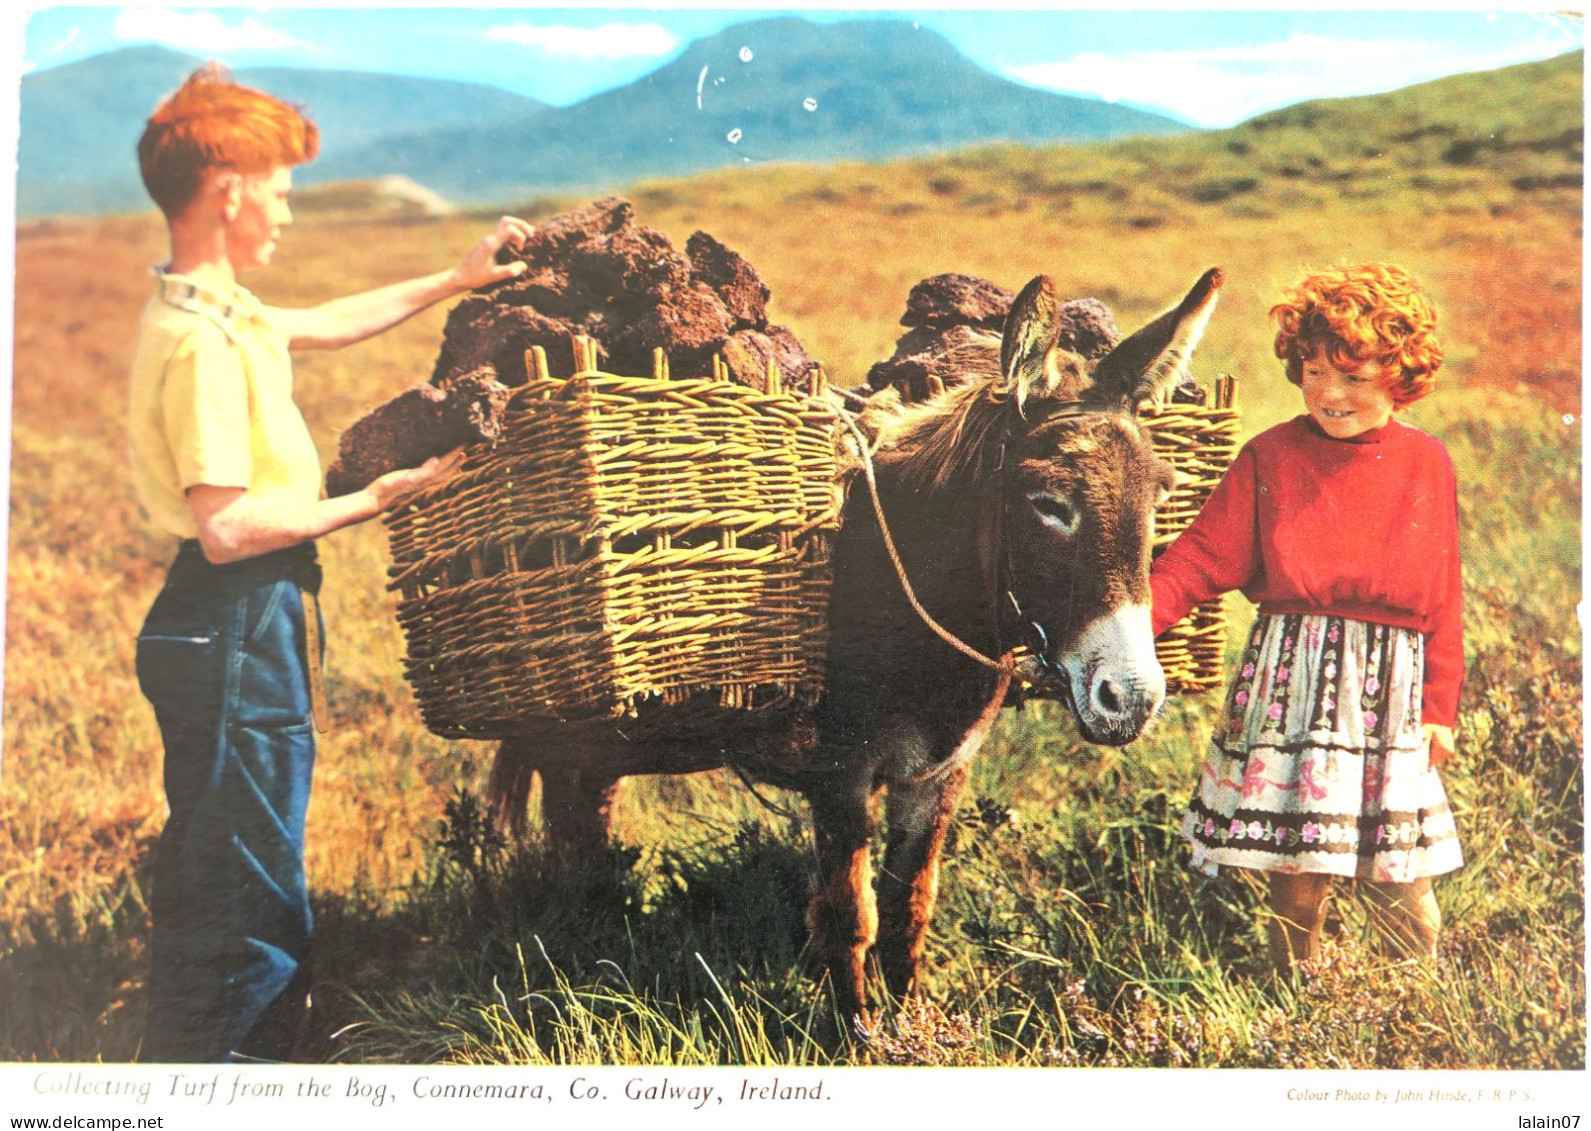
column 1223, row 86
column 610, row 41
column 58, row 48
column 199, row 31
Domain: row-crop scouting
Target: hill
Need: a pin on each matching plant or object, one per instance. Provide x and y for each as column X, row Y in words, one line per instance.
column 773, row 90
column 80, row 122
column 1483, row 142
column 1468, row 154
column 770, row 90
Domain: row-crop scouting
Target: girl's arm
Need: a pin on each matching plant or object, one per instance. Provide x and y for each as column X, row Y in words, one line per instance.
column 1219, row 550
column 353, row 318
column 1444, row 643
column 1443, row 746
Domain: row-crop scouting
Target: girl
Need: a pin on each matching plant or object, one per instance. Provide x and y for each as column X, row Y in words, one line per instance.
column 1341, row 525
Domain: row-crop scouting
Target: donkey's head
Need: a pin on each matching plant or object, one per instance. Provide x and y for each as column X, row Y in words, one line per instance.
column 1077, row 487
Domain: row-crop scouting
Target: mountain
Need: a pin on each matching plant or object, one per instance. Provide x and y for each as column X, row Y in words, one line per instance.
column 80, row 122
column 779, row 89
column 770, row 90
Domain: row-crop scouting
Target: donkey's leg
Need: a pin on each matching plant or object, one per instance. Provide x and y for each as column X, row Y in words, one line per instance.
column 842, row 916
column 508, row 789
column 919, row 816
column 577, row 805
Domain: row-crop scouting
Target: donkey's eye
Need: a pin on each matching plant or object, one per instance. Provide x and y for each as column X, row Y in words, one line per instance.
column 1055, row 510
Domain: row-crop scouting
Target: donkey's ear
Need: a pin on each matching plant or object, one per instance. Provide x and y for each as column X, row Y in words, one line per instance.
column 1027, row 346
column 1156, row 358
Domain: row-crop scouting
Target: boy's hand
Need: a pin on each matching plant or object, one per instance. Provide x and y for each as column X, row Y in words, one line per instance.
column 1441, row 743
column 480, row 266
column 396, row 487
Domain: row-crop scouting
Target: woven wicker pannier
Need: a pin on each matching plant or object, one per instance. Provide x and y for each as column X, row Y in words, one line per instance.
column 640, row 549
column 656, row 551
column 1200, row 441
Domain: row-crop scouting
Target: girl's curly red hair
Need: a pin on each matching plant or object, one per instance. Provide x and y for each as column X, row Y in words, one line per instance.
column 1371, row 313
column 212, row 122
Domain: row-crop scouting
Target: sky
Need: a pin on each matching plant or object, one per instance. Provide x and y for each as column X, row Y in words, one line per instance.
column 1211, row 68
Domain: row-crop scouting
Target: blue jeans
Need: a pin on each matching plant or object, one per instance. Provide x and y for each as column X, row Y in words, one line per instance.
column 222, row 657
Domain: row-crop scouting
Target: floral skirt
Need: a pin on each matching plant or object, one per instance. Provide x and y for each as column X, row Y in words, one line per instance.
column 1319, row 763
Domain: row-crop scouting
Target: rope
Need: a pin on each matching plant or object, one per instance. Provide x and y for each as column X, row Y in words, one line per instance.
column 767, row 802
column 900, row 567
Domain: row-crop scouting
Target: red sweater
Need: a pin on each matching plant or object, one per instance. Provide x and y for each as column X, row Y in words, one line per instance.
column 1365, row 528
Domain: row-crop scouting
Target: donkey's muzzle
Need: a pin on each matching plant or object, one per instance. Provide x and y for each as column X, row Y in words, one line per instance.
column 1113, row 679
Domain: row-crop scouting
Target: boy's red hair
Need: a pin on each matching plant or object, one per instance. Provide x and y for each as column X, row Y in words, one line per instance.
column 212, row 122
column 1374, row 312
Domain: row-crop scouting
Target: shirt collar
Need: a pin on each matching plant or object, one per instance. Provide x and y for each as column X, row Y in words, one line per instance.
column 1371, row 436
column 225, row 308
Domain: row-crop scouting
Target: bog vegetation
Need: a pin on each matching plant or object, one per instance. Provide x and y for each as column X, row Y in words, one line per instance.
column 1070, row 931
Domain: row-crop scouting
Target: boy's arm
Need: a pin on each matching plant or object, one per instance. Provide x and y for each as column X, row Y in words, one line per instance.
column 353, row 318
column 234, row 525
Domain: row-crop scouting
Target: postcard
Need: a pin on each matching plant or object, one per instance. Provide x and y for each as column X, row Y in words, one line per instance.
column 605, row 563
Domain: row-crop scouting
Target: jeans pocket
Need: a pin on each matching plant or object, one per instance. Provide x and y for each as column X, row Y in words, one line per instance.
column 273, row 680
column 180, row 672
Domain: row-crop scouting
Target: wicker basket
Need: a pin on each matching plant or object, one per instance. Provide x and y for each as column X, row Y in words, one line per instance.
column 657, row 551
column 1200, row 441
column 632, row 548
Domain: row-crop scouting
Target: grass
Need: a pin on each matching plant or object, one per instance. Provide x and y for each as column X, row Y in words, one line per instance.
column 1069, row 930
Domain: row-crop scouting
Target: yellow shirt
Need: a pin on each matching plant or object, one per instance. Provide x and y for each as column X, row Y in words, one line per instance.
column 212, row 404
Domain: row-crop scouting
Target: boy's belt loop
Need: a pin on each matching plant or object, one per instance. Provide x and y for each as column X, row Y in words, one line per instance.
column 312, row 646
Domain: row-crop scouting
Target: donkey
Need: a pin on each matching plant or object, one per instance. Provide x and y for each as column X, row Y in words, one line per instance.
column 1019, row 507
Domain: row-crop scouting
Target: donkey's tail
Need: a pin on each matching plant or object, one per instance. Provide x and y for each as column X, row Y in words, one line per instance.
column 508, row 789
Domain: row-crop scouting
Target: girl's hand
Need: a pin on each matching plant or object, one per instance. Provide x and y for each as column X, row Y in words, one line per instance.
column 480, row 266
column 1440, row 739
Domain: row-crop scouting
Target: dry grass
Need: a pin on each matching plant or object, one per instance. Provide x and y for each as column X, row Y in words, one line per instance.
column 840, row 248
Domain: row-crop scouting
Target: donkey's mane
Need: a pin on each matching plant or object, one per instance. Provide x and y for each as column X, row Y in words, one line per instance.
column 931, row 443
column 944, row 439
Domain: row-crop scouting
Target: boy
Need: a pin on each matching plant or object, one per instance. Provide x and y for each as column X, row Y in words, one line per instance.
column 229, row 655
